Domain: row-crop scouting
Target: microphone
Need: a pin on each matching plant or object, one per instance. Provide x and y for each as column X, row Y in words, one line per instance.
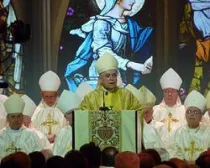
column 104, row 108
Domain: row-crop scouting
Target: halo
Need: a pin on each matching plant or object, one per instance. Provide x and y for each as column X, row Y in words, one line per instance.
column 136, row 7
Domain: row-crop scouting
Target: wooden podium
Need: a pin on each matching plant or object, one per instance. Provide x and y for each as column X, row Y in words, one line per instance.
column 108, row 128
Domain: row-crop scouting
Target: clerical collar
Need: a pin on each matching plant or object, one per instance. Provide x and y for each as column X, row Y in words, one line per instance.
column 110, row 91
column 193, row 130
column 15, row 131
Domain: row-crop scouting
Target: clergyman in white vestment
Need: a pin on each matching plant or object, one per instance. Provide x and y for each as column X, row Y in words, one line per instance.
column 194, row 138
column 47, row 118
column 15, row 137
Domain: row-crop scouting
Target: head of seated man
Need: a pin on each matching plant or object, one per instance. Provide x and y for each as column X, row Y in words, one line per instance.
column 15, row 120
column 14, row 106
column 49, row 84
column 49, row 97
column 193, row 117
column 194, row 104
column 170, row 83
column 170, row 96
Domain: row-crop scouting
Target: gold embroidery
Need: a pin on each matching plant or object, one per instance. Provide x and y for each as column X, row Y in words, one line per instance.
column 49, row 123
column 169, row 121
column 105, row 128
column 192, row 149
column 12, row 148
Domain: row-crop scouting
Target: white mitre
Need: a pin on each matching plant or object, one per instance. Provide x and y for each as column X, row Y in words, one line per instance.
column 134, row 90
column 49, row 81
column 106, row 62
column 195, row 99
column 83, row 89
column 14, row 104
column 208, row 100
column 68, row 101
column 170, row 79
column 147, row 98
column 30, row 106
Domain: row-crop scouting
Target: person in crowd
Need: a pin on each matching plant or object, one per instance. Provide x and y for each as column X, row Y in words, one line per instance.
column 75, row 158
column 127, row 159
column 37, row 159
column 47, row 118
column 108, row 157
column 92, row 153
column 146, row 160
column 16, row 160
column 15, row 137
column 55, row 162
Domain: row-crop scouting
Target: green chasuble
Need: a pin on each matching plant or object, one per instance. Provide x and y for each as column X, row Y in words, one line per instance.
column 119, row 99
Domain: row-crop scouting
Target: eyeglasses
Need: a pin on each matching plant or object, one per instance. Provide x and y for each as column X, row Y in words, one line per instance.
column 170, row 91
column 194, row 112
column 49, row 97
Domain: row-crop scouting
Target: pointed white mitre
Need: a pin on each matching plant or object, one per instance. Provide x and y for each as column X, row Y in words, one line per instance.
column 68, row 101
column 83, row 89
column 14, row 104
column 134, row 90
column 208, row 100
column 30, row 106
column 106, row 62
column 195, row 99
column 49, row 81
column 147, row 98
column 170, row 79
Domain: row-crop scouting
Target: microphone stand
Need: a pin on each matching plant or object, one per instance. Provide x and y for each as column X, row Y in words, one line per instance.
column 104, row 107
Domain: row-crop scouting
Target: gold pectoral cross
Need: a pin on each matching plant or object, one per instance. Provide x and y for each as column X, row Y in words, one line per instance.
column 169, row 121
column 12, row 148
column 49, row 123
column 192, row 149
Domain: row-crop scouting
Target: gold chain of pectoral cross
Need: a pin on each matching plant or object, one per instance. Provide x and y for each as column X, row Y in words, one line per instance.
column 12, row 148
column 192, row 149
column 49, row 123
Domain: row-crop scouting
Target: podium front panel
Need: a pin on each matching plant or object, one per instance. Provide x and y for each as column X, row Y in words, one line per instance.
column 107, row 128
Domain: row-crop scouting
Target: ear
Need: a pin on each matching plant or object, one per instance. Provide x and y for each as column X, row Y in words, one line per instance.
column 99, row 79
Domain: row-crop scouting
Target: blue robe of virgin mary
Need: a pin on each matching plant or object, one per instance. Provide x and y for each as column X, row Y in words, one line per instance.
column 138, row 47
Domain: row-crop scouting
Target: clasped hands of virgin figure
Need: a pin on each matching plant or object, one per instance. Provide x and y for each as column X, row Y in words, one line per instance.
column 145, row 68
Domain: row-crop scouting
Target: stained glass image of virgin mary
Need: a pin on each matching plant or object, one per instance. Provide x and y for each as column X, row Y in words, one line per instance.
column 113, row 30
